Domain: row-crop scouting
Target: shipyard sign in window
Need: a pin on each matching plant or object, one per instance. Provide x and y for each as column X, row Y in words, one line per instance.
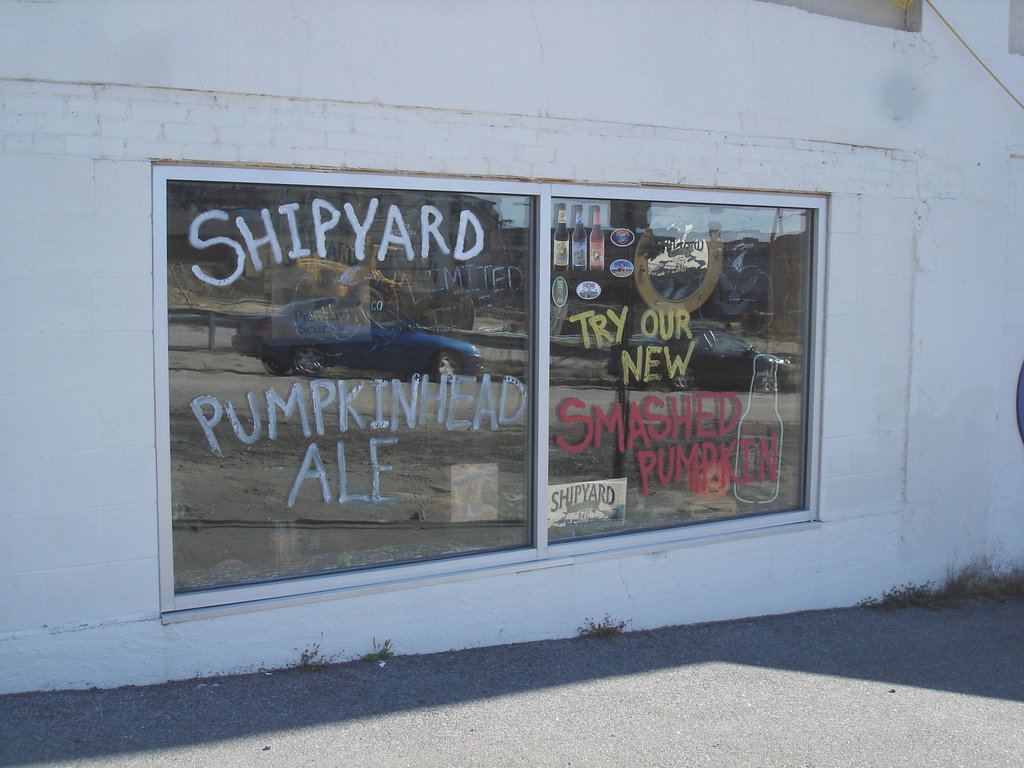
column 348, row 377
column 366, row 373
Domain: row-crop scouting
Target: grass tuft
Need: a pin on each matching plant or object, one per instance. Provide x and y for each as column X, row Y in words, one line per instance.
column 905, row 596
column 606, row 629
column 380, row 653
column 976, row 581
column 312, row 659
column 982, row 581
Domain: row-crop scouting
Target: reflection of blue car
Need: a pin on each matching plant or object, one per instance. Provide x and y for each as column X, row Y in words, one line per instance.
column 308, row 336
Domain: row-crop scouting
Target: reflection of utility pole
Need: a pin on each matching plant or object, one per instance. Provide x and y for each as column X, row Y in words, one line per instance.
column 558, row 319
column 628, row 295
column 621, row 390
column 622, row 397
column 177, row 271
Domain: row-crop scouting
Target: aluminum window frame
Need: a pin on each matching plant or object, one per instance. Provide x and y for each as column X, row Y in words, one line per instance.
column 539, row 553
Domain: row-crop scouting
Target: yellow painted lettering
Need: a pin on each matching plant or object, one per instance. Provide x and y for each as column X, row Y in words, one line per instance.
column 683, row 325
column 651, row 362
column 582, row 318
column 649, row 323
column 676, row 365
column 601, row 334
column 619, row 321
column 630, row 366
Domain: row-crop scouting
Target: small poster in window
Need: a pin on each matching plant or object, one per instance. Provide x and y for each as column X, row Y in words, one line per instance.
column 584, row 502
column 474, row 492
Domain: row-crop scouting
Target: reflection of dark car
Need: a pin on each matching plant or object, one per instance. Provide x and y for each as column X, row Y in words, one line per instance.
column 308, row 336
column 721, row 360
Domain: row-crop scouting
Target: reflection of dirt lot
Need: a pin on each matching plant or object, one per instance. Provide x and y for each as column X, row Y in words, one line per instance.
column 231, row 515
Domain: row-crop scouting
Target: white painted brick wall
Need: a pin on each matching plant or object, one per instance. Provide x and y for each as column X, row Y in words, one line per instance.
column 78, row 536
column 862, row 312
column 862, row 494
column 640, row 157
column 28, row 611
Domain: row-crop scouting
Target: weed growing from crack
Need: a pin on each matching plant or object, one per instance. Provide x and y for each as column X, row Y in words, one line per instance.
column 905, row 596
column 312, row 659
column 977, row 581
column 982, row 581
column 380, row 653
column 606, row 629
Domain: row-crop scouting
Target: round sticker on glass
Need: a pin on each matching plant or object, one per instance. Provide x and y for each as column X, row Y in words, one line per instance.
column 622, row 237
column 588, row 290
column 559, row 291
column 621, row 268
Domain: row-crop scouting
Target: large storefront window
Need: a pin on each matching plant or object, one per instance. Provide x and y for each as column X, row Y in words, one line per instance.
column 679, row 334
column 348, row 377
column 370, row 375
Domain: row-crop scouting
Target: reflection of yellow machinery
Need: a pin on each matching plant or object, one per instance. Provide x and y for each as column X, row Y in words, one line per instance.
column 445, row 308
column 322, row 273
column 321, row 278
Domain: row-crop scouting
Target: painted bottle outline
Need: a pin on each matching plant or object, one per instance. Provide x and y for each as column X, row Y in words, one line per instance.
column 596, row 240
column 560, row 249
column 762, row 380
column 578, row 248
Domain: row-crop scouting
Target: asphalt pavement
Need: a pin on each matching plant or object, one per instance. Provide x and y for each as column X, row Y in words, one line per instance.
column 845, row 687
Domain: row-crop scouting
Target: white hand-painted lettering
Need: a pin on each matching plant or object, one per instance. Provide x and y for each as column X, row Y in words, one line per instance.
column 305, row 473
column 253, row 244
column 411, row 405
column 395, row 221
column 430, row 221
column 297, row 252
column 461, row 254
column 320, row 227
column 325, row 216
column 361, row 227
column 196, row 242
column 394, row 403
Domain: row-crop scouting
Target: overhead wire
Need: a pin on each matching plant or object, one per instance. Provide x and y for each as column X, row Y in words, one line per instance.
column 908, row 3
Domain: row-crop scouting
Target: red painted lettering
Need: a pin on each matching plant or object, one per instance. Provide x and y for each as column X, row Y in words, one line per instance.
column 658, row 418
column 683, row 419
column 566, row 418
column 724, row 425
column 703, row 415
column 645, row 461
column 637, row 427
column 611, row 423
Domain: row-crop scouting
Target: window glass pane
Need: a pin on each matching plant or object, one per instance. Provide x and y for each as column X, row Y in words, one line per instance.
column 348, row 377
column 679, row 344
